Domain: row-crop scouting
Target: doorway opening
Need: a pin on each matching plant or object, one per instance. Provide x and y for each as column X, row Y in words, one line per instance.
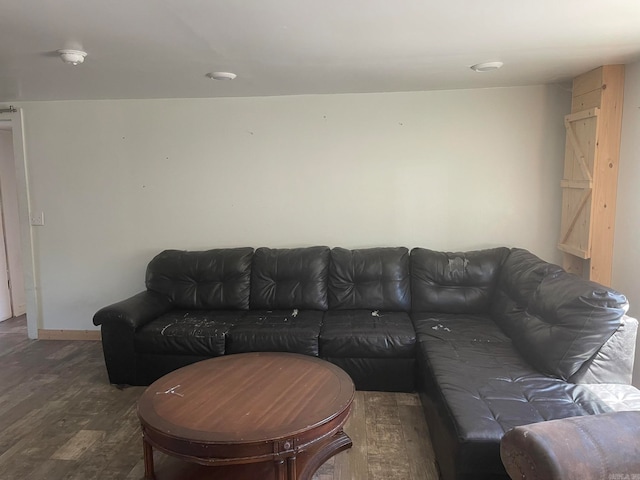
column 16, row 232
column 12, row 291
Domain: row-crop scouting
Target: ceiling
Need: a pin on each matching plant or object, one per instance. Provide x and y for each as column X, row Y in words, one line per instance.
column 164, row 48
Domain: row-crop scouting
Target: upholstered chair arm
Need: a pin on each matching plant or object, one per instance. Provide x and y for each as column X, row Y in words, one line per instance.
column 119, row 323
column 593, row 447
column 135, row 311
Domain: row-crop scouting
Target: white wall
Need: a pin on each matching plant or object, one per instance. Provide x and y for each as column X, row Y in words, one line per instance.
column 626, row 258
column 121, row 180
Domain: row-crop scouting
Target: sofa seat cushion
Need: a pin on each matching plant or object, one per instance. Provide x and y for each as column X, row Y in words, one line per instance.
column 294, row 331
column 457, row 327
column 487, row 385
column 367, row 334
column 481, row 388
column 187, row 332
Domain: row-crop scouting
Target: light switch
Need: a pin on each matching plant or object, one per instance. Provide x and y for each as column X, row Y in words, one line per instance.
column 37, row 219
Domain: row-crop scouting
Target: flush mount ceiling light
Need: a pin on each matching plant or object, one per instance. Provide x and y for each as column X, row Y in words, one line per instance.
column 486, row 66
column 72, row 57
column 221, row 75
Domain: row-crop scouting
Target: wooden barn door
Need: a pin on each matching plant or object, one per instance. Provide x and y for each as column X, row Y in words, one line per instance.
column 577, row 183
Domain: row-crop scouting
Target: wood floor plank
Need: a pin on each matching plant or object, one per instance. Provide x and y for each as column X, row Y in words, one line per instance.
column 63, row 352
column 417, row 443
column 61, row 420
column 48, row 469
column 407, row 399
column 354, row 460
column 137, row 472
column 78, row 444
column 30, row 420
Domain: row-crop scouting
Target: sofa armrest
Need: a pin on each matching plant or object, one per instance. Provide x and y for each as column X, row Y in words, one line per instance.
column 119, row 323
column 593, row 447
column 135, row 311
column 613, row 362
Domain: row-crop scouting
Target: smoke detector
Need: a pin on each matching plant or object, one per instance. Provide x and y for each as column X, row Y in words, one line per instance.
column 72, row 57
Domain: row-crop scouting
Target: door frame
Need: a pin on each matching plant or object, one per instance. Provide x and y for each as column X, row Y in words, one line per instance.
column 34, row 312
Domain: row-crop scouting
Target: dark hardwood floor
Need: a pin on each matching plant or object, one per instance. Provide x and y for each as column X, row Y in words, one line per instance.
column 60, row 419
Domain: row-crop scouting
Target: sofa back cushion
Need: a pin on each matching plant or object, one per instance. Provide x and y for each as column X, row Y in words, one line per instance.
column 463, row 282
column 521, row 275
column 290, row 278
column 556, row 320
column 372, row 278
column 212, row 280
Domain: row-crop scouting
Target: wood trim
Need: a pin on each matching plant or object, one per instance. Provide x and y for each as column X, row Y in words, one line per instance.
column 606, row 174
column 574, row 117
column 588, row 82
column 69, row 334
column 577, row 148
column 576, row 184
column 573, row 251
column 586, row 100
column 583, row 201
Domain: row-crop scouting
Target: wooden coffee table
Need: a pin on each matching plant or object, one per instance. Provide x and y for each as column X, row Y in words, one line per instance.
column 247, row 416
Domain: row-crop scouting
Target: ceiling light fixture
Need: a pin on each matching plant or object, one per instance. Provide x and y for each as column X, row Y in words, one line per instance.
column 486, row 66
column 72, row 57
column 221, row 75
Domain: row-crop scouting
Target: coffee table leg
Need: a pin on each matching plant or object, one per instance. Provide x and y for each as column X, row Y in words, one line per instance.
column 149, row 473
column 280, row 472
column 291, row 469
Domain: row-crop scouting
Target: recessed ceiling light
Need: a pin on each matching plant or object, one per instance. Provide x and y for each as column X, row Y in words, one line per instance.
column 72, row 57
column 221, row 75
column 486, row 66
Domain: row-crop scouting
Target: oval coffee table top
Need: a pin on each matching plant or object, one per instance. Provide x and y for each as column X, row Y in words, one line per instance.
column 246, row 398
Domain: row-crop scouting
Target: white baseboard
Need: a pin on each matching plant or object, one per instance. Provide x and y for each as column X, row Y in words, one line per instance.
column 68, row 334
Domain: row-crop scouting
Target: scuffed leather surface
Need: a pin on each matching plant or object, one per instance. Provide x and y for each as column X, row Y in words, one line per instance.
column 290, row 278
column 187, row 332
column 600, row 447
column 359, row 334
column 462, row 328
column 556, row 320
column 379, row 374
column 479, row 387
column 276, row 331
column 210, row 280
column 461, row 282
column 372, row 278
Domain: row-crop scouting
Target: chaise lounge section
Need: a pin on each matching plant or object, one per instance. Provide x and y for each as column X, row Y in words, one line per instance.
column 491, row 339
column 517, row 359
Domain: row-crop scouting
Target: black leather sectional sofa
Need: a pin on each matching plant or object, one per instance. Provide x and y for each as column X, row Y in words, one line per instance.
column 491, row 339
